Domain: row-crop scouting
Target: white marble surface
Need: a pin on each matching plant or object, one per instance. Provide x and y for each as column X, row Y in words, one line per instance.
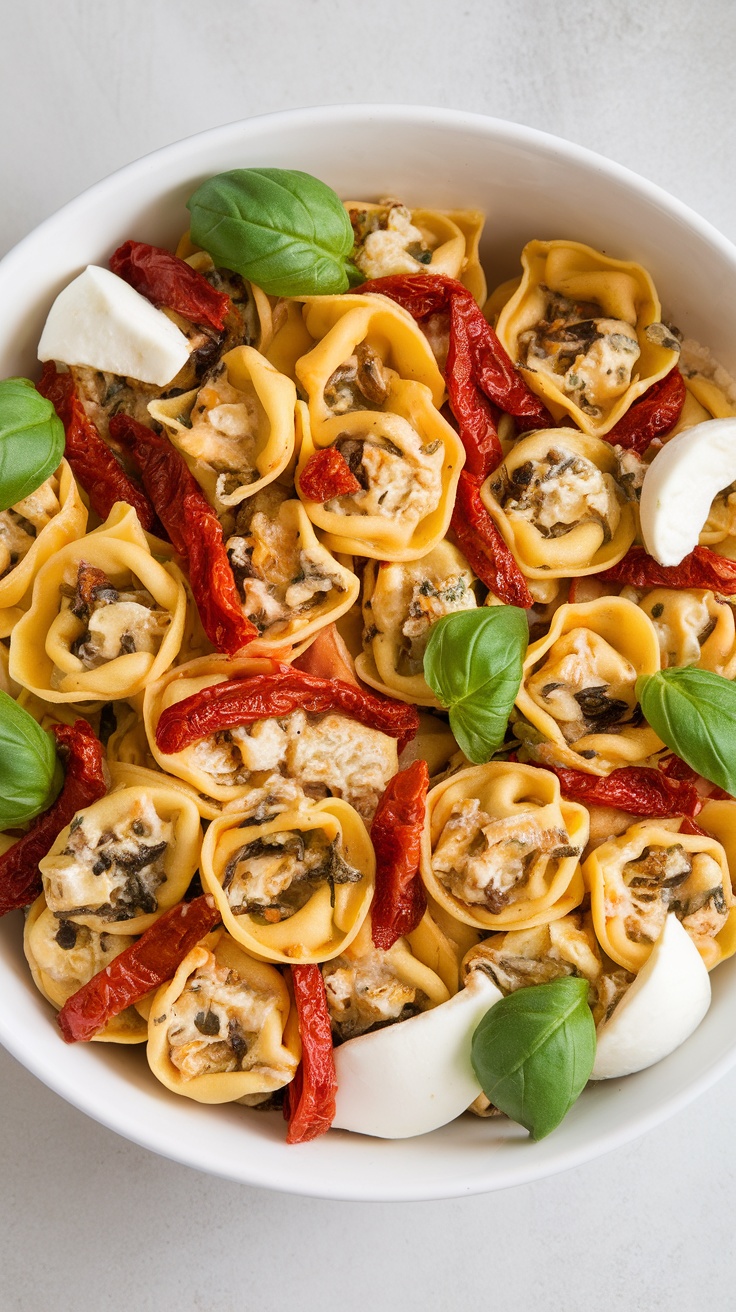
column 88, row 1221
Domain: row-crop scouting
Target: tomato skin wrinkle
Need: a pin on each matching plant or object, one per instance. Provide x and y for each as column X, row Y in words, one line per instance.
column 92, row 462
column 267, row 696
column 651, row 414
column 327, row 474
column 309, row 1106
column 194, row 530
column 701, row 568
column 147, row 964
column 396, row 833
column 167, row 281
column 83, row 756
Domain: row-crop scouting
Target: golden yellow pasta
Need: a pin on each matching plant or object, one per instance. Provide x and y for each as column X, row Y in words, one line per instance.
column 501, row 848
column 652, row 869
column 34, row 529
column 236, row 432
column 400, row 603
column 63, row 956
column 561, row 505
column 585, row 330
column 224, row 1029
column 106, row 617
column 390, row 239
column 578, row 687
column 296, row 888
column 694, row 627
column 125, row 859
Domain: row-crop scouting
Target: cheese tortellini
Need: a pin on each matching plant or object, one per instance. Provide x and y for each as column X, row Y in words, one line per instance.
column 390, row 238
column 34, row 529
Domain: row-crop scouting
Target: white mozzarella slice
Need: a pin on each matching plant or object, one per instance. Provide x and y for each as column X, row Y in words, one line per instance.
column 666, row 1002
column 101, row 322
column 412, row 1077
column 680, row 484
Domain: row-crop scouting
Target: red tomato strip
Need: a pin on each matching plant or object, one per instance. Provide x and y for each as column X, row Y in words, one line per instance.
column 147, row 964
column 267, row 696
column 93, row 463
column 396, row 833
column 309, row 1106
column 651, row 414
column 194, row 530
column 484, row 548
column 82, row 755
column 639, row 789
column 327, row 474
column 165, row 280
column 702, row 568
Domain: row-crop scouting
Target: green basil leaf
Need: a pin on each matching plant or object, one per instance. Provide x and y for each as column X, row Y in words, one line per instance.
column 694, row 713
column 30, row 771
column 31, row 440
column 534, row 1050
column 284, row 230
column 473, row 664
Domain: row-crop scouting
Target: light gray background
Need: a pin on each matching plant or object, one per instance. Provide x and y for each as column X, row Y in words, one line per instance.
column 87, row 1221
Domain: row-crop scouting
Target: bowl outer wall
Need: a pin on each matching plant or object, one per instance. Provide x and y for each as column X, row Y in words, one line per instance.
column 530, row 185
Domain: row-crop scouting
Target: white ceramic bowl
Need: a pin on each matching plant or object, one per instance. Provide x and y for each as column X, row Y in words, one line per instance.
column 530, row 185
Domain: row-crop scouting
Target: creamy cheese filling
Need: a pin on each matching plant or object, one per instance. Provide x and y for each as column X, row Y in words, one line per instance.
column 21, row 524
column 112, row 621
column 215, row 1022
column 395, row 480
column 361, row 382
column 277, row 576
column 488, row 862
column 224, row 433
column 366, row 994
column 644, row 885
column 115, row 872
column 586, row 686
column 387, row 242
column 274, row 876
column 71, row 954
column 327, row 755
column 590, row 357
column 430, row 600
column 559, row 492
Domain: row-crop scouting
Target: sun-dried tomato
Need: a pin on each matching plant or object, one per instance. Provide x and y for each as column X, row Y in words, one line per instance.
column 194, row 530
column 484, row 548
column 93, row 463
column 309, row 1106
column 270, row 696
column 702, row 568
column 82, row 756
column 167, row 281
column 639, row 789
column 688, row 826
column 327, row 474
column 651, row 414
column 396, row 833
column 147, row 964
column 479, row 369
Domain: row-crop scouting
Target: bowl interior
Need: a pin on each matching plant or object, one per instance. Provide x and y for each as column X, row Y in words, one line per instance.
column 529, row 185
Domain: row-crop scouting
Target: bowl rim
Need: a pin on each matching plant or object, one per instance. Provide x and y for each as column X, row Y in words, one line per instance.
column 526, row 1168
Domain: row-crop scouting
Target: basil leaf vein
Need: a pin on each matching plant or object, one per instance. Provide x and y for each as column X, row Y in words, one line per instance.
column 30, row 771
column 280, row 228
column 473, row 664
column 694, row 713
column 31, row 440
column 533, row 1052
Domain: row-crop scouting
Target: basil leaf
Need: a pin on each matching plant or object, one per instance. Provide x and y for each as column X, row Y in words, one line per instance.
column 534, row 1050
column 31, row 440
column 284, row 230
column 30, row 771
column 694, row 713
column 473, row 664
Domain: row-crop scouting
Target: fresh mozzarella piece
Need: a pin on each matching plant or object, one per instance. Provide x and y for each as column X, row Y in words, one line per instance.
column 412, row 1077
column 680, row 485
column 666, row 1002
column 101, row 322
